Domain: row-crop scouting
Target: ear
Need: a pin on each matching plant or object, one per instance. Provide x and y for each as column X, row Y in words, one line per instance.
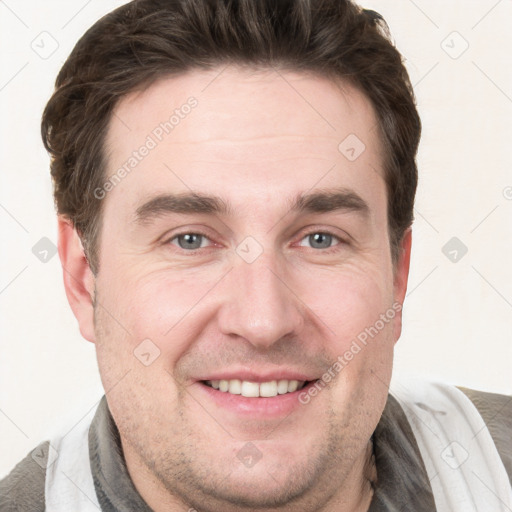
column 401, row 275
column 78, row 277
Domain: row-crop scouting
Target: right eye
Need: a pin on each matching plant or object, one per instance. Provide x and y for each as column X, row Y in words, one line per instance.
column 189, row 241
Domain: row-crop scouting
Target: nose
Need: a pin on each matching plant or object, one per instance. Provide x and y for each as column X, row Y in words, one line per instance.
column 259, row 304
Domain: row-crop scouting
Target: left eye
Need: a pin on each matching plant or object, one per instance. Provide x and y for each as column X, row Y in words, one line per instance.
column 320, row 240
column 190, row 241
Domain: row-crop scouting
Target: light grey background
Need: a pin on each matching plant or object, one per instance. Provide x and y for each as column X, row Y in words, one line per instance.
column 458, row 314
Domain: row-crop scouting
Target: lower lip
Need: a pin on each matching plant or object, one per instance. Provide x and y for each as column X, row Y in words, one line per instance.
column 267, row 407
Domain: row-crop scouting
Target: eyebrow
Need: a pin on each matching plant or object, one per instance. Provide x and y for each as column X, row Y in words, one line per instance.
column 328, row 200
column 187, row 203
column 320, row 201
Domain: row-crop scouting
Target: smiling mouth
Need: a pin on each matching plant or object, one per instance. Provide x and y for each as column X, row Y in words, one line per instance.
column 256, row 389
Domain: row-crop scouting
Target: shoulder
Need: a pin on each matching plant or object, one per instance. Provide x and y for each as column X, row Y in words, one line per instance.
column 22, row 490
column 496, row 411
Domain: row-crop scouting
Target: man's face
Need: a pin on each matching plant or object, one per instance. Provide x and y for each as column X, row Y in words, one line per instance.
column 260, row 289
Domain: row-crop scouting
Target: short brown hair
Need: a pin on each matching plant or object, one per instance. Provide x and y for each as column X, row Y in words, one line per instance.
column 144, row 40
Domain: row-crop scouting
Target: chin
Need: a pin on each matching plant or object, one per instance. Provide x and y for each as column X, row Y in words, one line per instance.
column 260, row 487
column 274, row 475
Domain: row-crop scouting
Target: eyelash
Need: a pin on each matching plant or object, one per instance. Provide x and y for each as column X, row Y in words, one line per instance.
column 328, row 250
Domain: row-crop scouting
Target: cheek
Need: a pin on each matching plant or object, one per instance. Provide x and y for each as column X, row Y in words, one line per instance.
column 356, row 307
column 348, row 302
column 161, row 306
column 134, row 364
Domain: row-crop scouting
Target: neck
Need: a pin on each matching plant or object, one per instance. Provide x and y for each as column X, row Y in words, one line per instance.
column 364, row 478
column 369, row 477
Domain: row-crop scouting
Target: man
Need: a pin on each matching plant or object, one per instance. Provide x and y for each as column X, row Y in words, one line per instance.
column 238, row 253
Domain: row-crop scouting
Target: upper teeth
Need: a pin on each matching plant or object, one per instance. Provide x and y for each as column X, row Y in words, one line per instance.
column 256, row 389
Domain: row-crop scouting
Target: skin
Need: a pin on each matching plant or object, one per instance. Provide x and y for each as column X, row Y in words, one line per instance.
column 255, row 142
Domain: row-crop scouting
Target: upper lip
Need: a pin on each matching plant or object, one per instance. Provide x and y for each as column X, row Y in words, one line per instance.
column 258, row 376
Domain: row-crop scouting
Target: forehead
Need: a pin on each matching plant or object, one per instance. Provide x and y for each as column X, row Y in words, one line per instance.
column 246, row 133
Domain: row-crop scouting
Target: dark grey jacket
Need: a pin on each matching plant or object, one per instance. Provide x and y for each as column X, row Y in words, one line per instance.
column 403, row 484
